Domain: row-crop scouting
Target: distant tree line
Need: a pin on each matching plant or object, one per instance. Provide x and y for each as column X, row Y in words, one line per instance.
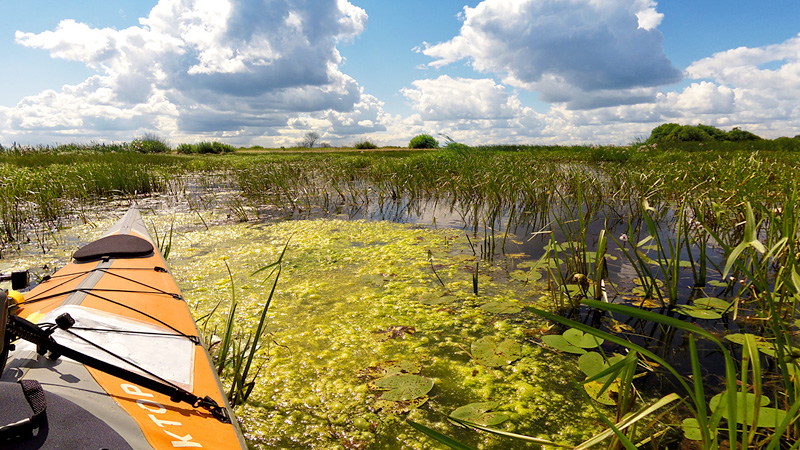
column 673, row 132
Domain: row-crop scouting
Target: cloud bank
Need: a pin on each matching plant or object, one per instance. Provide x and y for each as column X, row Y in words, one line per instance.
column 601, row 67
column 268, row 71
column 583, row 53
column 236, row 68
column 473, row 110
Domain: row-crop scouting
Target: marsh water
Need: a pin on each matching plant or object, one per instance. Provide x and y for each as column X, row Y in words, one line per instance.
column 419, row 288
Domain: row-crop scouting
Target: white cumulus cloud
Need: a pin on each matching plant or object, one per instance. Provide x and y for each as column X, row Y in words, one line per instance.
column 233, row 67
column 447, row 98
column 705, row 98
column 584, row 53
column 470, row 110
column 765, row 82
column 757, row 89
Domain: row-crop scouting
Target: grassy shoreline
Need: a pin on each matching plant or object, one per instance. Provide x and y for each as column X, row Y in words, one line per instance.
column 679, row 203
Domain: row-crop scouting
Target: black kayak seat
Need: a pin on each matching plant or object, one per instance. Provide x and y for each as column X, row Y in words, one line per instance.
column 114, row 246
column 29, row 421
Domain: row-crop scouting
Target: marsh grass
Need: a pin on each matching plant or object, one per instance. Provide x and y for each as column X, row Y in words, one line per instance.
column 769, row 274
column 721, row 211
column 40, row 189
column 238, row 349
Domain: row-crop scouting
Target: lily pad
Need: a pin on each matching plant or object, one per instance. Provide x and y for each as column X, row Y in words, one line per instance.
column 642, row 302
column 583, row 340
column 402, row 387
column 712, row 303
column 639, row 282
column 493, row 352
column 691, row 429
column 745, row 404
column 591, row 257
column 763, row 346
column 558, row 342
column 717, row 283
column 526, row 277
column 573, row 289
column 464, row 257
column 501, row 308
column 699, row 312
column 480, row 413
column 767, row 349
column 619, row 327
column 437, row 300
column 593, row 363
column 554, row 246
column 640, row 291
column 739, row 338
column 519, row 275
column 607, row 397
column 554, row 262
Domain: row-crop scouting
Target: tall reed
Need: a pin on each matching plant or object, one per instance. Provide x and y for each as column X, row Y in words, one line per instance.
column 238, row 348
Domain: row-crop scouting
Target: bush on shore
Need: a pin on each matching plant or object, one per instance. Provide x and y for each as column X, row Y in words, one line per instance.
column 205, row 147
column 423, row 141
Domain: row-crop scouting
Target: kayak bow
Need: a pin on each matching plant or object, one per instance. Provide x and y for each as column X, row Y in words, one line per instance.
column 111, row 341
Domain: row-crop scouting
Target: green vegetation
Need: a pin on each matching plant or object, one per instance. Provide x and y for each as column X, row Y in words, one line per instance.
column 150, row 143
column 214, row 147
column 672, row 132
column 629, row 253
column 365, row 145
column 423, row 141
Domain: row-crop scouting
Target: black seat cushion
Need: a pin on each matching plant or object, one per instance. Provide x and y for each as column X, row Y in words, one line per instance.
column 65, row 426
column 114, row 246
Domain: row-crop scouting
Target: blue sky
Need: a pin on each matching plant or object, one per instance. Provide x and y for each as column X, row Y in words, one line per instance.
column 495, row 71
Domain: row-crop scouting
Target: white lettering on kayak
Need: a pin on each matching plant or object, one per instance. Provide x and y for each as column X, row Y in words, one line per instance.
column 161, row 423
column 184, row 440
column 144, row 405
column 156, row 408
column 135, row 390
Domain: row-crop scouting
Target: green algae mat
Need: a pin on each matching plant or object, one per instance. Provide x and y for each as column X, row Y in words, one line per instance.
column 372, row 323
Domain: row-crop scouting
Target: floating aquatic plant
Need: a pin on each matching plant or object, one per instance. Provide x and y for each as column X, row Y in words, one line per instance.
column 492, row 351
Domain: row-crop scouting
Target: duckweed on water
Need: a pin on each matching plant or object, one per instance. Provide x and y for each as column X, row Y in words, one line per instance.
column 357, row 303
column 358, row 309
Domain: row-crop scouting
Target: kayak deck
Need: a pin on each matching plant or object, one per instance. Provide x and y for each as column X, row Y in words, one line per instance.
column 128, row 312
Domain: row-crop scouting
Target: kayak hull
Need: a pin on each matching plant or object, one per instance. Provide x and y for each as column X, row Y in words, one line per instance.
column 128, row 312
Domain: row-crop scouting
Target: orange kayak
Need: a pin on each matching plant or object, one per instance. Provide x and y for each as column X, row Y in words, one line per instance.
column 116, row 353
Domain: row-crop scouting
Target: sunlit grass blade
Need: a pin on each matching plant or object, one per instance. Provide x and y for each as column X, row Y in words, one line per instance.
column 229, row 324
column 439, row 437
column 750, row 356
column 730, row 364
column 708, row 431
column 630, row 420
column 509, row 434
column 616, row 339
column 790, row 419
column 611, row 426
